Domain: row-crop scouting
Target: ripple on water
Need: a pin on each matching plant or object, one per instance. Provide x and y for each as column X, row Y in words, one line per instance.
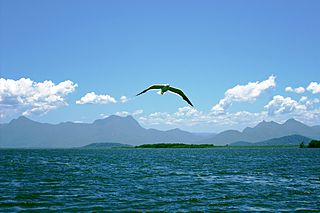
column 160, row 179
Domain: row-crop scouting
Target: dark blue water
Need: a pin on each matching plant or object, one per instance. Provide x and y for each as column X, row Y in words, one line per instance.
column 160, row 179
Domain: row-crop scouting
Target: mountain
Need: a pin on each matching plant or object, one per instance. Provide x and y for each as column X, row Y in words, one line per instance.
column 265, row 131
column 242, row 143
column 229, row 135
column 282, row 141
column 23, row 132
column 204, row 134
column 316, row 128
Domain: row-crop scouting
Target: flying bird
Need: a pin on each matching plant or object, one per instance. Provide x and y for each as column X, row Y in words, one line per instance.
column 166, row 87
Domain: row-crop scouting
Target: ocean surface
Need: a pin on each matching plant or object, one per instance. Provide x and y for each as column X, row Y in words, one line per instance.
column 218, row 179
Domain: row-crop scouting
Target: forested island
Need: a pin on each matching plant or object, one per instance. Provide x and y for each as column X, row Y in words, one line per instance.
column 175, row 145
column 314, row 144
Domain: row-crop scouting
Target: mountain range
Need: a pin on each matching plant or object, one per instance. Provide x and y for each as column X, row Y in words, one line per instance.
column 265, row 131
column 25, row 133
column 284, row 141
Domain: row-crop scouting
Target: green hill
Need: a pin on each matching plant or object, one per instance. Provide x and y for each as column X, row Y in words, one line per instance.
column 175, row 145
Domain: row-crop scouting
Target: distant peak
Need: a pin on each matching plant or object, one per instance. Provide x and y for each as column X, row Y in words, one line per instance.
column 119, row 117
column 174, row 130
column 21, row 119
column 130, row 117
column 113, row 116
column 117, row 120
column 265, row 123
column 292, row 120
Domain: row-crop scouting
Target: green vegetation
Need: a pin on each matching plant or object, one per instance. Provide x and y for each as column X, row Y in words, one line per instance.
column 175, row 145
column 302, row 145
column 314, row 144
column 181, row 145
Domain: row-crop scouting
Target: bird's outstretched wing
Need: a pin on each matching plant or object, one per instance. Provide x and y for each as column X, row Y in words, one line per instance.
column 156, row 86
column 179, row 92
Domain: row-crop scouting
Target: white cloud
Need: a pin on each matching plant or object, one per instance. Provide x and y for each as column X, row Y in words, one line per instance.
column 92, row 98
column 78, row 122
column 314, row 87
column 306, row 110
column 298, row 90
column 122, row 113
column 187, row 112
column 279, row 109
column 25, row 96
column 303, row 99
column 126, row 113
column 190, row 118
column 281, row 105
column 137, row 112
column 243, row 93
column 309, row 102
column 289, row 89
column 124, row 99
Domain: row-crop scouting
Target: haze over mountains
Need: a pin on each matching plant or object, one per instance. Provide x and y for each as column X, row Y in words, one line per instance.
column 265, row 131
column 23, row 132
column 283, row 141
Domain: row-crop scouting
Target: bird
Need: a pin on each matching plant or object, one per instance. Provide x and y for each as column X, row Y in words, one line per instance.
column 166, row 87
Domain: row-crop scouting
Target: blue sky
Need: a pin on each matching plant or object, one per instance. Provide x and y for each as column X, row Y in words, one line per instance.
column 118, row 48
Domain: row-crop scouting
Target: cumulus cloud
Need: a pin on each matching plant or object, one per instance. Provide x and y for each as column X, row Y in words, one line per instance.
column 124, row 99
column 244, row 93
column 281, row 105
column 187, row 112
column 306, row 110
column 93, row 98
column 279, row 109
column 25, row 96
column 187, row 116
column 303, row 99
column 122, row 113
column 190, row 118
column 309, row 102
column 126, row 113
column 298, row 90
column 137, row 112
column 314, row 87
column 289, row 89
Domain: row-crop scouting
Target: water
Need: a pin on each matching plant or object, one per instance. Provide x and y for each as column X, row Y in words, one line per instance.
column 160, row 179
